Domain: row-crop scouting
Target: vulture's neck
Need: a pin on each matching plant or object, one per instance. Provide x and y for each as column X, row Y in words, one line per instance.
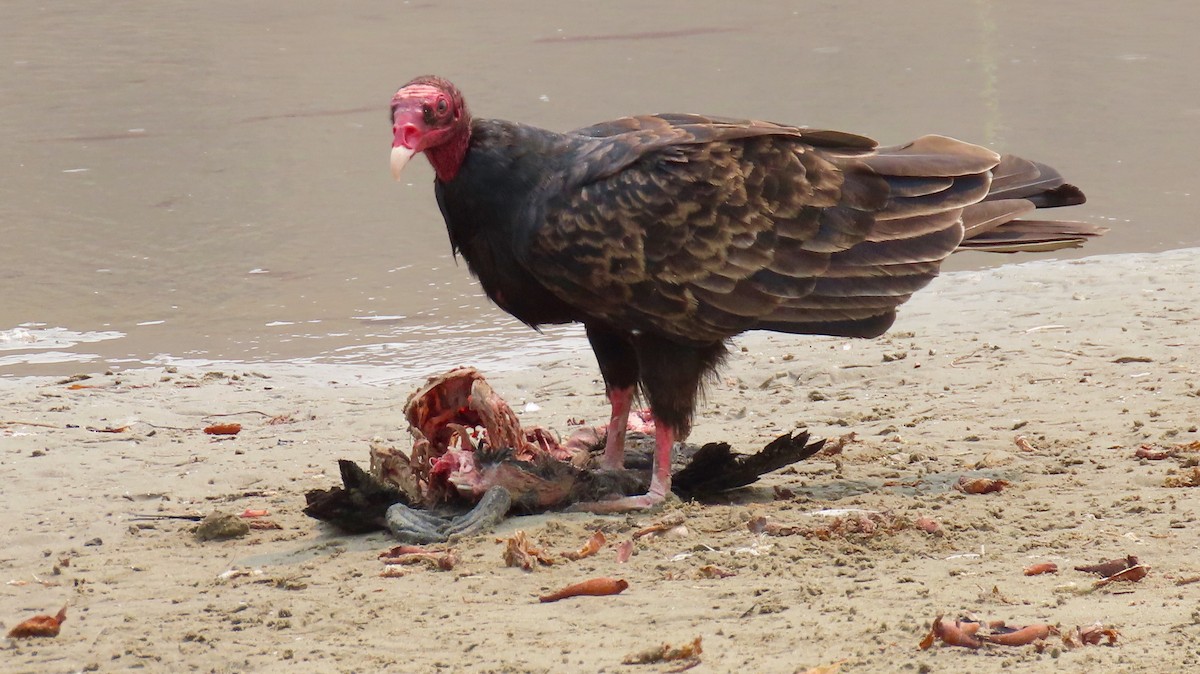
column 447, row 158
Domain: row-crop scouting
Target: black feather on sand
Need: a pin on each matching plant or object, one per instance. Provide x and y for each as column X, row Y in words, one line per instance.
column 360, row 504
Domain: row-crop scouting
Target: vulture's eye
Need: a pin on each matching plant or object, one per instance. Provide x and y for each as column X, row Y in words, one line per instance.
column 441, row 106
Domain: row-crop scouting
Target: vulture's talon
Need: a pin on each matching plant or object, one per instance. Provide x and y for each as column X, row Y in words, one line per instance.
column 418, row 527
column 414, row 526
column 489, row 512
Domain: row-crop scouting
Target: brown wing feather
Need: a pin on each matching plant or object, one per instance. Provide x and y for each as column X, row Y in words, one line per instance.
column 1018, row 187
column 698, row 228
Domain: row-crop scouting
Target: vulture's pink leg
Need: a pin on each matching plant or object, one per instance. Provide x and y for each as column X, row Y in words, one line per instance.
column 660, row 481
column 621, row 400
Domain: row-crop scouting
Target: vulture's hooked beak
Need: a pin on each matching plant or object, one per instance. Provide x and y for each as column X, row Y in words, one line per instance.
column 400, row 157
column 407, row 132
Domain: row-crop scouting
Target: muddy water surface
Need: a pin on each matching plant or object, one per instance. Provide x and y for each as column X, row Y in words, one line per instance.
column 209, row 180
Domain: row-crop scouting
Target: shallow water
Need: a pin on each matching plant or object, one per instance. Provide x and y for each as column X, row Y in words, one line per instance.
column 208, row 180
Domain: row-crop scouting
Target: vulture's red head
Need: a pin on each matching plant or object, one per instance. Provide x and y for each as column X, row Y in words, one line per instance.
column 429, row 115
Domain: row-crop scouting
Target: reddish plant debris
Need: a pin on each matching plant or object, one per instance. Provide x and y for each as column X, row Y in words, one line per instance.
column 660, row 527
column 592, row 587
column 520, row 551
column 714, row 571
column 835, row 446
column 1153, row 453
column 1039, row 569
column 223, row 429
column 624, row 552
column 77, row 387
column 928, row 525
column 405, row 549
column 862, row 525
column 1091, row 635
column 1189, row 478
column 1023, row 444
column 591, row 547
column 665, row 653
column 965, row 633
column 954, row 633
column 1111, row 567
column 760, row 526
column 441, row 558
column 444, row 560
column 979, row 485
column 39, row 626
column 1020, row 637
column 757, row 525
column 853, row 525
column 1131, row 575
column 248, row 513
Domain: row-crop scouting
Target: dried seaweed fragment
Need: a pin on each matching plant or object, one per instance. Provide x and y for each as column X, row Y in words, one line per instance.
column 39, row 626
column 1020, row 637
column 1189, row 478
column 591, row 547
column 440, row 559
column 592, row 587
column 520, row 551
column 979, row 485
column 1039, row 569
column 1110, row 567
column 1131, row 575
column 665, row 653
column 951, row 633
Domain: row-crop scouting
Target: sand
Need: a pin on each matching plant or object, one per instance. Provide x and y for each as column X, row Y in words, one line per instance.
column 1087, row 360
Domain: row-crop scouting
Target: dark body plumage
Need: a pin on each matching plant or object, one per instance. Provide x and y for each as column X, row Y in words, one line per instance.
column 665, row 235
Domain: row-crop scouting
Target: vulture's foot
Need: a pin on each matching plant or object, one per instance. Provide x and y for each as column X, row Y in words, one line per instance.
column 413, row 526
column 491, row 510
column 649, row 501
column 420, row 527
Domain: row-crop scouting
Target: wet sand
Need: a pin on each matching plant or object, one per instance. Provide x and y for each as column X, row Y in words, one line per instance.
column 1087, row 360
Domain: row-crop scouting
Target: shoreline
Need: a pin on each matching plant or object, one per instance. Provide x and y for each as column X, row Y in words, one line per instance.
column 560, row 341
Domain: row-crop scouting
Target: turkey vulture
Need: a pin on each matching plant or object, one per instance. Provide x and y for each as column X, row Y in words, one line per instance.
column 666, row 235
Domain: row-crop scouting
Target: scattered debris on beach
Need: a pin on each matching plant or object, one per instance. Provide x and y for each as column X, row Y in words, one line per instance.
column 975, row 634
column 39, row 626
column 592, row 587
